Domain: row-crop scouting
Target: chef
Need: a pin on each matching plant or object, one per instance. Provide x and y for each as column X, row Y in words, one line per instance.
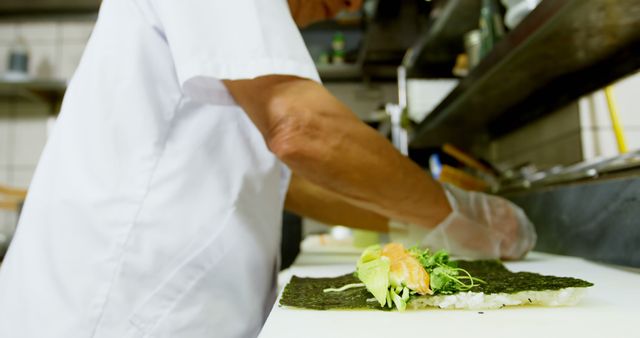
column 156, row 206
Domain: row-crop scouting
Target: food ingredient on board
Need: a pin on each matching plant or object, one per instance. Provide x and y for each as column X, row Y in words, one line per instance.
column 451, row 284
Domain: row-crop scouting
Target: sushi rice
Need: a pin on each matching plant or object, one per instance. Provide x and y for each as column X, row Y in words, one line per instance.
column 481, row 301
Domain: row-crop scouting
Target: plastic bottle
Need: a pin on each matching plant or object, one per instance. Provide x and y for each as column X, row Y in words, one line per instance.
column 18, row 61
column 338, row 45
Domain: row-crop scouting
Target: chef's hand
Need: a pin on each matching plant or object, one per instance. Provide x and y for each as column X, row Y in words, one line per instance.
column 480, row 226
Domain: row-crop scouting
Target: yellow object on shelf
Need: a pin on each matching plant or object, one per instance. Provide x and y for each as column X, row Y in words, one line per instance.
column 19, row 193
column 615, row 119
column 10, row 198
column 9, row 205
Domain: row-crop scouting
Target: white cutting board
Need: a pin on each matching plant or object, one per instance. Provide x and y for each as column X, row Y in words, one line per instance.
column 611, row 308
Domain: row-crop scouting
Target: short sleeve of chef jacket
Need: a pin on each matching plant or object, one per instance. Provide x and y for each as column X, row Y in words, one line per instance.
column 213, row 40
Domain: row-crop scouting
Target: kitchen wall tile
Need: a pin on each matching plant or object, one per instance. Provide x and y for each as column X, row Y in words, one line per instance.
column 4, row 175
column 6, row 133
column 632, row 137
column 7, row 32
column 70, row 58
column 76, row 31
column 21, row 176
column 6, row 38
column 599, row 142
column 4, row 57
column 39, row 32
column 626, row 93
column 30, row 128
column 594, row 111
column 7, row 218
column 6, row 108
column 5, row 141
column 7, row 226
column 43, row 60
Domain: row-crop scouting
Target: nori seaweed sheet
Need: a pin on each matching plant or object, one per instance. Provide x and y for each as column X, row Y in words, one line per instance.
column 500, row 280
column 308, row 292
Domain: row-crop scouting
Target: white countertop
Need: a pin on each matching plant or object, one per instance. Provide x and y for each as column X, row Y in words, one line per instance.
column 611, row 308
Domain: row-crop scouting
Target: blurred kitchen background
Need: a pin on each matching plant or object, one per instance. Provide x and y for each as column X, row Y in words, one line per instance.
column 516, row 86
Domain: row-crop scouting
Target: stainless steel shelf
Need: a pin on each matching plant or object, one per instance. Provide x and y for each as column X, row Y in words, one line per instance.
column 49, row 9
column 343, row 72
column 434, row 53
column 561, row 51
column 47, row 91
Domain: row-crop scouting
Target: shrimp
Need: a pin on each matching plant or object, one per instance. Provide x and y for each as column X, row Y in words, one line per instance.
column 406, row 270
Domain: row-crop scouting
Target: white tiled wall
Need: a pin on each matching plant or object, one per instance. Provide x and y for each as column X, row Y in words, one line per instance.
column 55, row 49
column 598, row 136
column 580, row 131
column 423, row 95
column 22, row 137
column 53, row 46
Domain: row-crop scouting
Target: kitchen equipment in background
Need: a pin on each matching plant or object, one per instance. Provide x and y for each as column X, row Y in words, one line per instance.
column 472, row 47
column 453, row 166
column 18, row 60
column 517, row 10
column 491, row 26
column 526, row 177
column 337, row 45
column 323, row 58
column 468, row 160
column 398, row 115
column 461, row 68
column 399, row 135
column 447, row 174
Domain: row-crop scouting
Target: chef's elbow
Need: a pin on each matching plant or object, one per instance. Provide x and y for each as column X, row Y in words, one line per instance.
column 291, row 136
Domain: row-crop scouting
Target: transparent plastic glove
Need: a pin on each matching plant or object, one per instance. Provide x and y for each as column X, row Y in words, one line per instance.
column 481, row 226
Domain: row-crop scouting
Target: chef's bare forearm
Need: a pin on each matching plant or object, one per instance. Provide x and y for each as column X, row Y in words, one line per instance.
column 321, row 140
column 310, row 200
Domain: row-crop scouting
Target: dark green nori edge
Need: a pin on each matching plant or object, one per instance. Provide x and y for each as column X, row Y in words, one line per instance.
column 308, row 292
column 500, row 280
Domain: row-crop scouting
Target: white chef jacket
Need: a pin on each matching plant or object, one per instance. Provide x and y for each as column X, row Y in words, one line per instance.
column 155, row 209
